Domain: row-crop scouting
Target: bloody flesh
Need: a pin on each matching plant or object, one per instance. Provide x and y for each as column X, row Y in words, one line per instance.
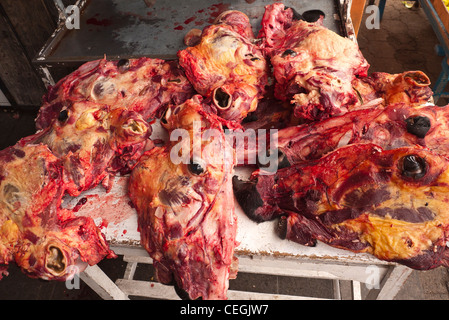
column 390, row 203
column 227, row 67
column 93, row 124
column 366, row 167
column 186, row 219
column 316, row 78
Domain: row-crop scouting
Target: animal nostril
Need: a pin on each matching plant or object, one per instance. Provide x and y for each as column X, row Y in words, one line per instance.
column 222, row 99
column 312, row 15
column 195, row 168
column 417, row 78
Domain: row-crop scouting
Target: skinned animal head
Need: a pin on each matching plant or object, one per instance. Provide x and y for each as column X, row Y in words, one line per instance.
column 391, row 203
column 43, row 239
column 183, row 195
column 142, row 85
column 396, row 125
column 227, row 67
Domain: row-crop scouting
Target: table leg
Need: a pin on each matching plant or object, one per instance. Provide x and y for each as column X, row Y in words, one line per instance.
column 98, row 281
column 391, row 283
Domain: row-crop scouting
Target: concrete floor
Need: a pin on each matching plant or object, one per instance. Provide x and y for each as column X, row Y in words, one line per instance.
column 405, row 41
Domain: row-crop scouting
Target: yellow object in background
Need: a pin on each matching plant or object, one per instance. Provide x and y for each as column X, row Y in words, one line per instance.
column 446, row 3
column 411, row 4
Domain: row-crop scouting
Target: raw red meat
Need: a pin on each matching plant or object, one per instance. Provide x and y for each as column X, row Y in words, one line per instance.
column 411, row 87
column 43, row 239
column 227, row 67
column 394, row 126
column 146, row 86
column 92, row 125
column 369, row 179
column 94, row 119
column 94, row 142
column 185, row 205
column 390, row 203
column 313, row 66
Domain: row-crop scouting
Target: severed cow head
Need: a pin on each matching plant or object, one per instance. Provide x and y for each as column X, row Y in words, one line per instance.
column 227, row 66
column 44, row 240
column 181, row 192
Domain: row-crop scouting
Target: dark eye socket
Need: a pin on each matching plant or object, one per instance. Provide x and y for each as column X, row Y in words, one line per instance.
column 196, row 168
column 63, row 115
column 289, row 52
column 418, row 126
column 251, row 57
column 123, row 65
column 413, row 167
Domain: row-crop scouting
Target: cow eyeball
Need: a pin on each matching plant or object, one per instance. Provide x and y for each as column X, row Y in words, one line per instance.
column 63, row 115
column 123, row 65
column 418, row 126
column 289, row 52
column 413, row 167
column 196, row 167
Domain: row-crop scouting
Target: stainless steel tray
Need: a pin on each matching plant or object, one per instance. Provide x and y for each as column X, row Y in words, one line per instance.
column 154, row 28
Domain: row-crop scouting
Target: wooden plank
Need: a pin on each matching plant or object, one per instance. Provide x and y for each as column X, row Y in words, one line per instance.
column 292, row 268
column 138, row 259
column 356, row 290
column 392, row 283
column 31, row 22
column 16, row 71
column 129, row 250
column 130, row 270
column 98, row 281
column 147, row 289
column 159, row 291
column 307, row 269
column 357, row 9
column 247, row 295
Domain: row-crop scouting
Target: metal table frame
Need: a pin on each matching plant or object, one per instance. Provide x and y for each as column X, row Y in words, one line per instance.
column 70, row 48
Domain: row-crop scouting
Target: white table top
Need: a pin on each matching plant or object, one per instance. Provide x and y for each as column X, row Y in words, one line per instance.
column 117, row 219
column 114, row 213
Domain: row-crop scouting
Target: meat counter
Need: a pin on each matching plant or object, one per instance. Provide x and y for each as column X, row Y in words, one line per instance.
column 124, row 31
